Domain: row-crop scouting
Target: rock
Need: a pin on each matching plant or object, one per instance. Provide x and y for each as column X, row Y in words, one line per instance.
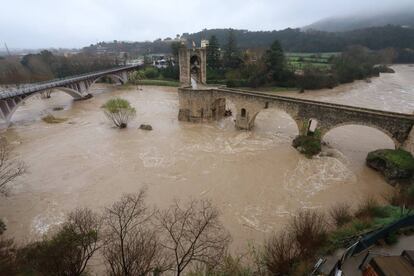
column 384, row 69
column 308, row 145
column 145, row 127
column 395, row 165
column 328, row 153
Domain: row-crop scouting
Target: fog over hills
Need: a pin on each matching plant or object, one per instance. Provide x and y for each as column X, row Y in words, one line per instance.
column 402, row 17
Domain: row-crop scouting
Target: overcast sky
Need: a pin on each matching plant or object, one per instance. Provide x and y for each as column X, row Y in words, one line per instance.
column 77, row 23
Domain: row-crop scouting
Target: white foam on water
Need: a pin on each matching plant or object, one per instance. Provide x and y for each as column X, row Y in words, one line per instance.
column 42, row 223
column 313, row 176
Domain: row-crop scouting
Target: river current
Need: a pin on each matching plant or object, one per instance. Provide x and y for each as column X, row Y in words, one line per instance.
column 255, row 178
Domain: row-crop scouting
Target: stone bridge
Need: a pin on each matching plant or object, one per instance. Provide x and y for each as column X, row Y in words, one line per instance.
column 77, row 87
column 210, row 103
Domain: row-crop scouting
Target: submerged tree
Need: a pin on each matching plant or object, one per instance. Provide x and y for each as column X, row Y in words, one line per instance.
column 9, row 168
column 119, row 111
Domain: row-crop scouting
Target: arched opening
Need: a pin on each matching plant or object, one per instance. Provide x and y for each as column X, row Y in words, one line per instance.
column 275, row 123
column 113, row 78
column 35, row 106
column 356, row 141
column 243, row 113
column 195, row 68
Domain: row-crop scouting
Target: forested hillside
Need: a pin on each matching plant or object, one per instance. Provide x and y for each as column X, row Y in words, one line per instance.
column 295, row 40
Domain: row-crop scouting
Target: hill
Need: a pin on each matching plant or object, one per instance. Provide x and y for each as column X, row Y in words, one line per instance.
column 292, row 40
column 296, row 40
column 360, row 21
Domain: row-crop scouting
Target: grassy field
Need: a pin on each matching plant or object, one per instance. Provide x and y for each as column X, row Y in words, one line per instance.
column 298, row 61
column 159, row 83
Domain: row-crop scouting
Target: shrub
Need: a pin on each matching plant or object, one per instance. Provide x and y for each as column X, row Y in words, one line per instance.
column 308, row 145
column 151, row 73
column 280, row 253
column 136, row 77
column 315, row 78
column 309, row 231
column 391, row 238
column 341, row 214
column 119, row 111
column 50, row 119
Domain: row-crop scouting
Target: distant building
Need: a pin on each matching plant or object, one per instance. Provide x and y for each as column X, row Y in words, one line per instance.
column 100, row 50
column 161, row 60
column 204, row 43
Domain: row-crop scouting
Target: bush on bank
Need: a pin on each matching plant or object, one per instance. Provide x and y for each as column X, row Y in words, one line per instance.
column 395, row 165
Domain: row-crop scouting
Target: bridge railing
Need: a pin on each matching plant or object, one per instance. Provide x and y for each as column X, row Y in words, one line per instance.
column 62, row 81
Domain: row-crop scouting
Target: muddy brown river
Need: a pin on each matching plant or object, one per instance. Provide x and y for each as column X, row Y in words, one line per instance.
column 255, row 178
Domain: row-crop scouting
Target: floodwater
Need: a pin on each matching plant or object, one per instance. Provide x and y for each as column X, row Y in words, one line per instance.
column 255, row 178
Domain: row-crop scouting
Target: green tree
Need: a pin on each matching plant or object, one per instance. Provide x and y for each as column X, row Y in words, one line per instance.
column 274, row 60
column 213, row 53
column 119, row 111
column 231, row 57
column 68, row 251
column 175, row 48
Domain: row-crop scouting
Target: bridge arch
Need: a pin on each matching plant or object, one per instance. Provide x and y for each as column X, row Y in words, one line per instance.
column 282, row 116
column 16, row 102
column 113, row 77
column 325, row 131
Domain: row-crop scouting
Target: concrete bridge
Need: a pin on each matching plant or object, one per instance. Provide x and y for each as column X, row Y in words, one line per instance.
column 77, row 87
column 206, row 104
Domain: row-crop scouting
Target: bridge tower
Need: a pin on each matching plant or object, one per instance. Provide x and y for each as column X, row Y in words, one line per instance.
column 193, row 66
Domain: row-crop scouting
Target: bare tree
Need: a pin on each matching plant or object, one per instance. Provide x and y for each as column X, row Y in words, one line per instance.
column 87, row 226
column 132, row 247
column 193, row 233
column 9, row 168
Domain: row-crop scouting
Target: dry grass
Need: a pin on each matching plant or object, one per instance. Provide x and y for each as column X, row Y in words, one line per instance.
column 368, row 209
column 309, row 230
column 280, row 254
column 341, row 214
column 50, row 119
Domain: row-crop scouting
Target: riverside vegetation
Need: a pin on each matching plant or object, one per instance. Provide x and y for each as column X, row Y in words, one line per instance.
column 132, row 238
column 272, row 68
